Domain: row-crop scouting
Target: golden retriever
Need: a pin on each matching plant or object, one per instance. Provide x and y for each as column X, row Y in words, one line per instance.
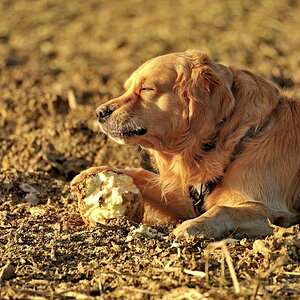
column 221, row 136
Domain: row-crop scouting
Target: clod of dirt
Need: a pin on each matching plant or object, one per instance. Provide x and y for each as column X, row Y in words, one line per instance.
column 261, row 247
column 38, row 211
column 25, row 187
column 7, row 272
column 32, row 198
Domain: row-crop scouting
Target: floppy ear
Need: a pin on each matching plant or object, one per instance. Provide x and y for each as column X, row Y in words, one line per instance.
column 194, row 86
column 199, row 78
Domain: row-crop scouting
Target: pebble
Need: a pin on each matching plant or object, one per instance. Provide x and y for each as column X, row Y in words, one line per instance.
column 25, row 187
column 38, row 211
column 261, row 246
column 32, row 198
column 7, row 272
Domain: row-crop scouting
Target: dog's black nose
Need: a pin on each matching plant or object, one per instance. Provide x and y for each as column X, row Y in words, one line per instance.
column 103, row 112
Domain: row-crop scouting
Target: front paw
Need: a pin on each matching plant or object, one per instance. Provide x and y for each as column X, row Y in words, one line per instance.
column 196, row 227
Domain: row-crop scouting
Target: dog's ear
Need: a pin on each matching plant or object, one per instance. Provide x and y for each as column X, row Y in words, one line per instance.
column 196, row 81
column 205, row 77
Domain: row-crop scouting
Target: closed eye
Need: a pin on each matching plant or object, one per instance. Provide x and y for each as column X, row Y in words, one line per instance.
column 145, row 89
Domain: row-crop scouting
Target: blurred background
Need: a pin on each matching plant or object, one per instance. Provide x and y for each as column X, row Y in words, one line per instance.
column 60, row 59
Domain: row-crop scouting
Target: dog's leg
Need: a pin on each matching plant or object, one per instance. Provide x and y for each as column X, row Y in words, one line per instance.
column 172, row 207
column 219, row 221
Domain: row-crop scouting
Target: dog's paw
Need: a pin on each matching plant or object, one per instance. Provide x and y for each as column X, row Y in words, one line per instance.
column 196, row 227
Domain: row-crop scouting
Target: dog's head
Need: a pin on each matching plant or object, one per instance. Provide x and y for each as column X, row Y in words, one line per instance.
column 168, row 102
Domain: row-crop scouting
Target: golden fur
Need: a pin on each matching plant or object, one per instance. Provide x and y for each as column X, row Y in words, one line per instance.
column 185, row 101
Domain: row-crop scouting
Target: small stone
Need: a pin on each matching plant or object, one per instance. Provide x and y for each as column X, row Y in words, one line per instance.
column 32, row 198
column 243, row 242
column 25, row 187
column 145, row 230
column 38, row 211
column 261, row 247
column 129, row 238
column 7, row 272
column 3, row 215
column 175, row 245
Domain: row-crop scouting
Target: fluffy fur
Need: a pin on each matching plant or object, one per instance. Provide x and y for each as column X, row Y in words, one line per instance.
column 175, row 105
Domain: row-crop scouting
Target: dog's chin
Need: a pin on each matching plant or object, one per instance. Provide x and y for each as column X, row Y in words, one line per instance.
column 126, row 137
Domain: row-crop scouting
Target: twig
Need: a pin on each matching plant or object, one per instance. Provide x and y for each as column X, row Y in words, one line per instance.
column 222, row 245
column 207, row 255
column 292, row 273
column 186, row 271
column 231, row 269
column 257, row 284
column 194, row 273
column 72, row 99
column 222, row 278
column 278, row 263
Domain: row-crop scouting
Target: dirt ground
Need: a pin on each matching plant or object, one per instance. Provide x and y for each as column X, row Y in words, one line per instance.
column 53, row 51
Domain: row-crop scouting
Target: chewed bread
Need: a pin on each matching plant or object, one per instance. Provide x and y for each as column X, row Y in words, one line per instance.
column 107, row 195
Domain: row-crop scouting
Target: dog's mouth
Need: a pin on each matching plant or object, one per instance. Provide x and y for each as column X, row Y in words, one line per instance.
column 140, row 131
column 124, row 133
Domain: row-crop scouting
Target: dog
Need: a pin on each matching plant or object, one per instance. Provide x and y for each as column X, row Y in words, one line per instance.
column 225, row 142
